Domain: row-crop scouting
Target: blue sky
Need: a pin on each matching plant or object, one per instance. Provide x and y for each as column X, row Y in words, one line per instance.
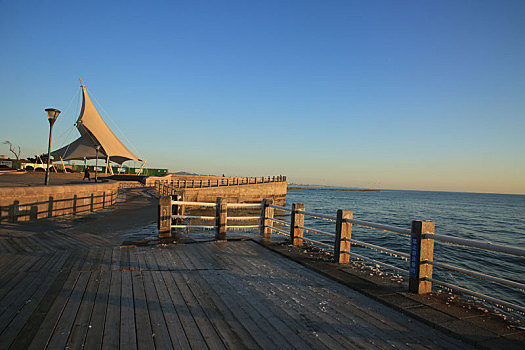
column 391, row 94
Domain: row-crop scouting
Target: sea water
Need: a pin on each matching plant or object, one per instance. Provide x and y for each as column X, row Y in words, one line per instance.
column 496, row 218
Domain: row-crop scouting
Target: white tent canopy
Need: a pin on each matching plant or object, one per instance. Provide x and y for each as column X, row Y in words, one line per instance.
column 94, row 131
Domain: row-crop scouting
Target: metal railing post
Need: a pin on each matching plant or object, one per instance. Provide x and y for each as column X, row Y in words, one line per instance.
column 266, row 215
column 421, row 252
column 343, row 231
column 164, row 217
column 221, row 218
column 178, row 209
column 297, row 220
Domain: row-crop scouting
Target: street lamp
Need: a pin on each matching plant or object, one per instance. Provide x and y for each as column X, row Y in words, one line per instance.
column 97, row 147
column 52, row 115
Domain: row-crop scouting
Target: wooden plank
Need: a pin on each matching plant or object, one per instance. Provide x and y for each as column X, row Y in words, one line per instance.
column 230, row 329
column 98, row 317
column 106, row 261
column 19, row 296
column 222, row 282
column 124, row 258
column 173, row 323
column 33, row 326
column 128, row 339
column 205, row 327
column 4, row 247
column 42, row 259
column 115, row 259
column 62, row 330
column 191, row 329
column 310, row 329
column 308, row 292
column 140, row 258
column 110, row 339
column 10, row 278
column 15, row 245
column 173, row 258
column 150, row 260
column 41, row 244
column 316, row 304
column 142, row 320
column 28, row 306
column 81, row 324
column 251, row 312
column 206, row 261
column 91, row 260
column 158, row 323
column 133, row 259
column 16, row 263
column 179, row 256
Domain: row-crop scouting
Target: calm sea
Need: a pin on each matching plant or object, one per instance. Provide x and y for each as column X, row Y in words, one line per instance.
column 498, row 218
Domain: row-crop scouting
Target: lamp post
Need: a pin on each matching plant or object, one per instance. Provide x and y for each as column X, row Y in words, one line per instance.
column 97, row 147
column 52, row 115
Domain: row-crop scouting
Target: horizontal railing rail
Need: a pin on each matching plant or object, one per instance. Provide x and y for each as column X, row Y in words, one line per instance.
column 175, row 185
column 480, row 245
column 279, row 207
column 418, row 264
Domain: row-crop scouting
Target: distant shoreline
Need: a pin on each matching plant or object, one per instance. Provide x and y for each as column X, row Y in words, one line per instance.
column 331, row 189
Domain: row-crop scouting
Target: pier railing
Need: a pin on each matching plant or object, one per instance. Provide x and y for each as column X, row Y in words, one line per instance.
column 290, row 222
column 169, row 187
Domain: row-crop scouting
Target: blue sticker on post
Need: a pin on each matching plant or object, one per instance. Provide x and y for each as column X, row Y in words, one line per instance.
column 414, row 255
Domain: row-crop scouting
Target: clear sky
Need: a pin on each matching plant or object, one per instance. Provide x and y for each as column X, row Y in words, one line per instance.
column 423, row 95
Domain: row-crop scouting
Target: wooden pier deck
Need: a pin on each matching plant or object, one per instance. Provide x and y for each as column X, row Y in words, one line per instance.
column 63, row 291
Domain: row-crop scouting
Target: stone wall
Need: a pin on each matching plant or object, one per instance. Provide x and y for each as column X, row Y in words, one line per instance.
column 239, row 194
column 36, row 202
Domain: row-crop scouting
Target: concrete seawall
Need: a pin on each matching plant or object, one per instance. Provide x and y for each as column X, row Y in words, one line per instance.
column 239, row 194
column 236, row 189
column 37, row 202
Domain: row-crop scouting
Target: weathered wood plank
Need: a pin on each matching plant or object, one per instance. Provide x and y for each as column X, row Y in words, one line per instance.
column 234, row 335
column 205, row 327
column 312, row 329
column 150, row 260
column 171, row 314
column 115, row 259
column 28, row 306
column 142, row 320
column 110, row 339
column 223, row 281
column 252, row 313
column 19, row 295
column 96, row 323
column 81, row 324
column 191, row 329
column 128, row 339
column 158, row 323
column 124, row 258
column 62, row 329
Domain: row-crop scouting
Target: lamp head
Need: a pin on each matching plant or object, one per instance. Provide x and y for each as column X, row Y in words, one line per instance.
column 52, row 114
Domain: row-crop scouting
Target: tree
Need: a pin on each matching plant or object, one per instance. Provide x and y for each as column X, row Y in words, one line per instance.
column 12, row 149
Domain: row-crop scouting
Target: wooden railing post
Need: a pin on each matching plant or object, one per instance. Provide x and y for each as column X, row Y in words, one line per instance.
column 266, row 215
column 343, row 232
column 221, row 218
column 164, row 224
column 421, row 252
column 297, row 220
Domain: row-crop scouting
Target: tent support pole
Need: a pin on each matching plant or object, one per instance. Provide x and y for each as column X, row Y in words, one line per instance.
column 141, row 167
column 63, row 165
column 109, row 166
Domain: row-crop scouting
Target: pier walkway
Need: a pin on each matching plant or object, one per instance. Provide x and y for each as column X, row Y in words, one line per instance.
column 78, row 287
